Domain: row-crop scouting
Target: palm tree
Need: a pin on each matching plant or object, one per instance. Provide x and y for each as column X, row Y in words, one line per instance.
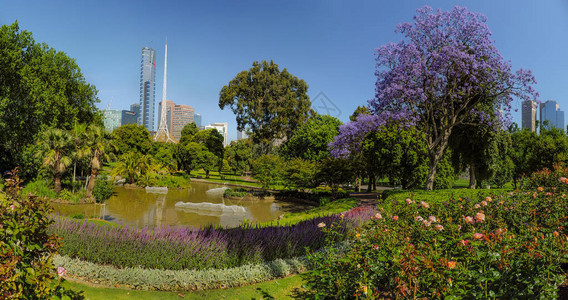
column 98, row 142
column 129, row 166
column 79, row 138
column 55, row 145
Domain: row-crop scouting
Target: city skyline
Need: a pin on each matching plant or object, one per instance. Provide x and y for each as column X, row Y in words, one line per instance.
column 328, row 44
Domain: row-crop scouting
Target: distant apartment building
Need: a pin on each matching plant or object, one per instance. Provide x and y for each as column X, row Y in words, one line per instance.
column 550, row 111
column 222, row 128
column 529, row 115
column 115, row 118
column 197, row 120
column 177, row 117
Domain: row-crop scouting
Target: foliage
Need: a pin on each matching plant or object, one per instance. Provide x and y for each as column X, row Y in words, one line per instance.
column 238, row 155
column 268, row 170
column 335, row 171
column 71, row 197
column 532, row 152
column 163, row 153
column 300, row 174
column 238, row 192
column 194, row 156
column 132, row 165
column 55, row 146
column 187, row 132
column 132, row 138
column 446, row 69
column 39, row 88
column 103, row 190
column 40, row 188
column 490, row 247
column 99, row 144
column 173, row 181
column 552, row 180
column 179, row 248
column 213, row 142
column 360, row 110
column 26, row 248
column 267, row 102
column 311, row 139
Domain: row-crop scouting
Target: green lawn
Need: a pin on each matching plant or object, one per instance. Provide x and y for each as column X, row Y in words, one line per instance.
column 225, row 177
column 276, row 289
column 333, row 207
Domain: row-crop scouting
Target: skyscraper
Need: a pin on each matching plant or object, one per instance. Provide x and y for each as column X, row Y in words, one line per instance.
column 550, row 111
column 147, row 88
column 136, row 108
column 197, row 119
column 529, row 115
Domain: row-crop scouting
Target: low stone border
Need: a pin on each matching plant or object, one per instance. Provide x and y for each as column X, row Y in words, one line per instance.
column 179, row 280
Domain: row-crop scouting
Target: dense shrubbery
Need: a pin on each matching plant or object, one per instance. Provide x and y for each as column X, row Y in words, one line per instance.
column 26, row 248
column 103, row 190
column 501, row 246
column 190, row 248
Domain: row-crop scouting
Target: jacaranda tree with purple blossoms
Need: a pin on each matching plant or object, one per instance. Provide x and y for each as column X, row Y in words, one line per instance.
column 444, row 69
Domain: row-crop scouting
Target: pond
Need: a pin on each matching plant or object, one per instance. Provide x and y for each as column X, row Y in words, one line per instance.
column 204, row 205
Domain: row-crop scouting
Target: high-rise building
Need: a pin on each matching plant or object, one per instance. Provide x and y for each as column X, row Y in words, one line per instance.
column 529, row 115
column 147, row 88
column 128, row 117
column 222, row 128
column 177, row 117
column 136, row 108
column 197, row 120
column 112, row 119
column 550, row 111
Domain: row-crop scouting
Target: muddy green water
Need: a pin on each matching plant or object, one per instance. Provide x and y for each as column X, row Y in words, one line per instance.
column 138, row 207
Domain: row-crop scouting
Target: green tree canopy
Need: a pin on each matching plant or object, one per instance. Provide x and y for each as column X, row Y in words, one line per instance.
column 188, row 131
column 267, row 102
column 212, row 140
column 311, row 140
column 40, row 88
column 238, row 155
column 132, row 137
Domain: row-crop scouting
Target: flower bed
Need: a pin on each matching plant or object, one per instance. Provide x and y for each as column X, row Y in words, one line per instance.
column 501, row 246
column 179, row 248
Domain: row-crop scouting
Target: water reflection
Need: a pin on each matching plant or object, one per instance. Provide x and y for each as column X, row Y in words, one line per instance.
column 140, row 208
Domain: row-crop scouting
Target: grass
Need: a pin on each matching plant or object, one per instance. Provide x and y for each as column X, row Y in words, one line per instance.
column 330, row 208
column 276, row 289
column 225, row 177
column 439, row 196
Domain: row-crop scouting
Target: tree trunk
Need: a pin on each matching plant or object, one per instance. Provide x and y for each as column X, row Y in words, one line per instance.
column 434, row 155
column 74, row 170
column 479, row 183
column 369, row 184
column 472, row 174
column 207, row 174
column 91, row 186
column 374, row 183
column 57, row 181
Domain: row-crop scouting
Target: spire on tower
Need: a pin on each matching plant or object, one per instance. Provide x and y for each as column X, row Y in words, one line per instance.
column 163, row 135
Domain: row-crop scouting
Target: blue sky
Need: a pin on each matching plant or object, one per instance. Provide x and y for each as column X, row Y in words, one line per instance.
column 329, row 44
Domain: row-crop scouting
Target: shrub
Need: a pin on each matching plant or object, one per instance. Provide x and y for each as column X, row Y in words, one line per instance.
column 500, row 246
column 268, row 170
column 103, row 190
column 40, row 188
column 26, row 248
column 554, row 179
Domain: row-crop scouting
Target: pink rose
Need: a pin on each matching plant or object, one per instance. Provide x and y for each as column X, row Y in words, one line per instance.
column 483, row 203
column 409, row 201
column 424, row 204
column 439, row 227
column 426, row 223
column 378, row 216
column 464, row 242
column 476, row 206
column 395, row 218
column 478, row 236
column 469, row 220
column 418, row 218
column 479, row 217
column 61, row 271
column 321, row 225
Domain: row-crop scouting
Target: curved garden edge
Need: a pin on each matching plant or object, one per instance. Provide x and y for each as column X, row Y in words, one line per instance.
column 179, row 280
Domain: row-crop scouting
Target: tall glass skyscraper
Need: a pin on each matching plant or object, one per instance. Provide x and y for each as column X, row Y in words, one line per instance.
column 550, row 111
column 147, row 88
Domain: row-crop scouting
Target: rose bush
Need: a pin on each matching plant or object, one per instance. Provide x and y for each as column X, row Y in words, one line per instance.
column 505, row 246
